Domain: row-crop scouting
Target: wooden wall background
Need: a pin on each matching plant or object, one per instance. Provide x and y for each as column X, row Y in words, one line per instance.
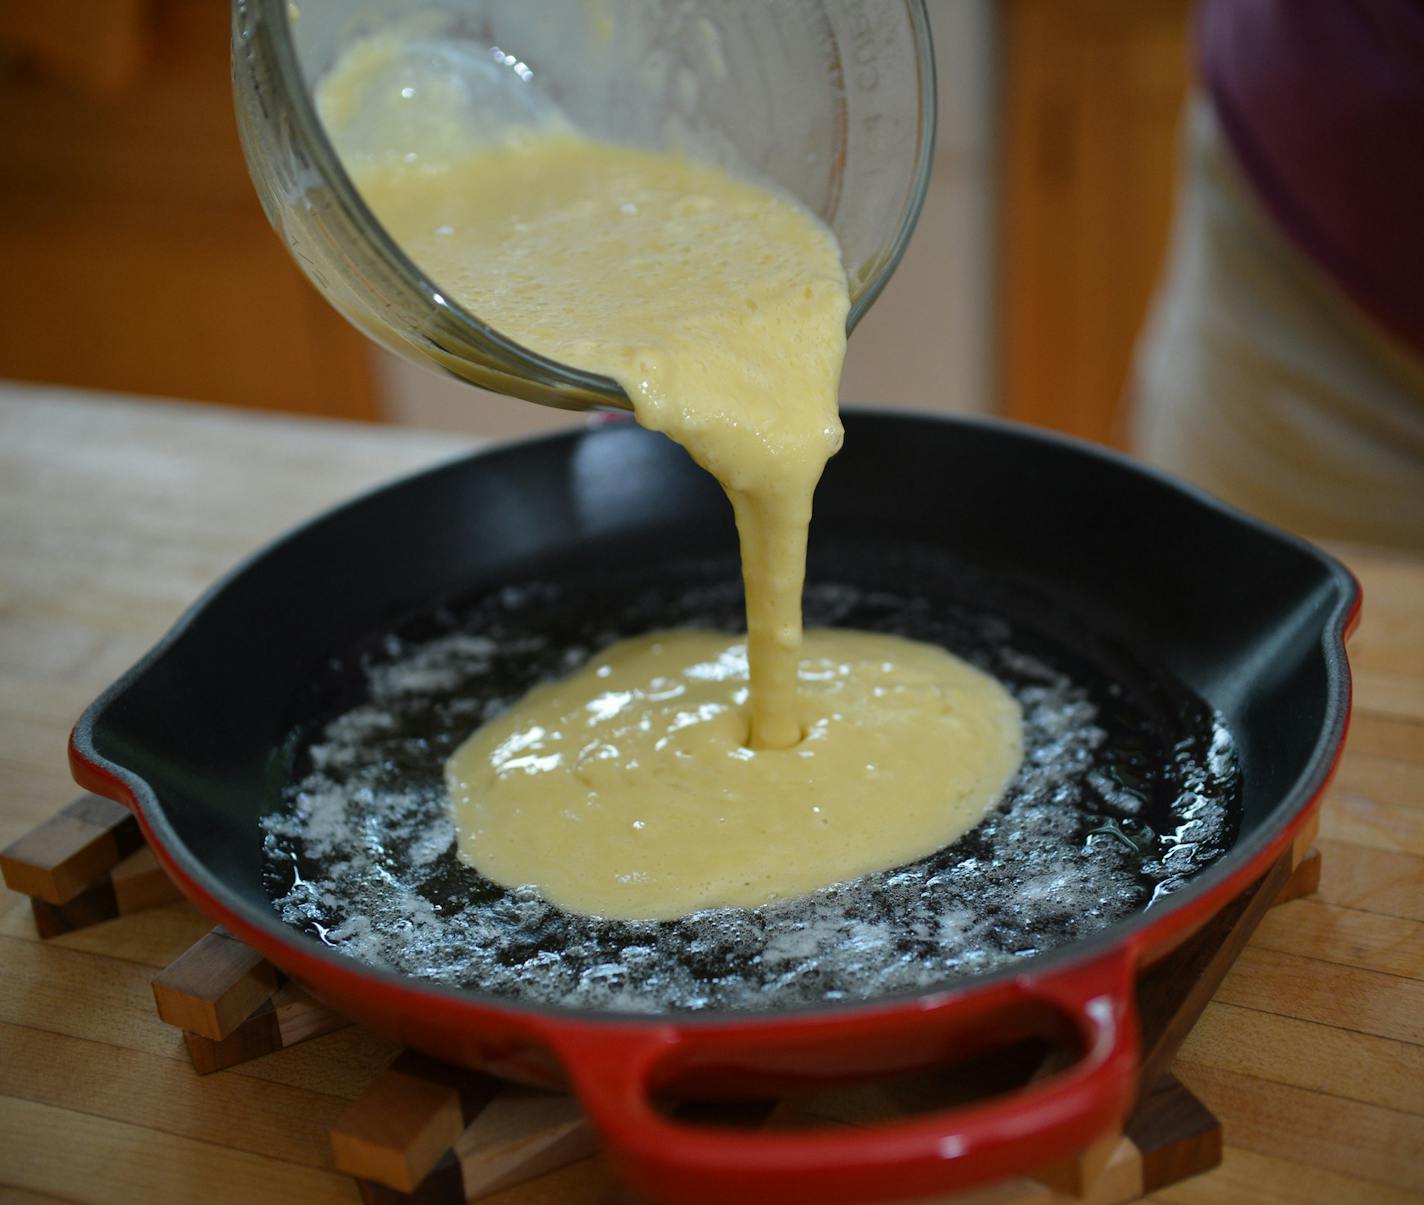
column 135, row 254
column 1091, row 97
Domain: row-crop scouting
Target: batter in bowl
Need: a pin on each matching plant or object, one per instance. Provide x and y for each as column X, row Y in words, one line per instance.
column 676, row 772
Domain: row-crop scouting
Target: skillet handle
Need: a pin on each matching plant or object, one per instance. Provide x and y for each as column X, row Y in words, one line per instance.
column 616, row 1073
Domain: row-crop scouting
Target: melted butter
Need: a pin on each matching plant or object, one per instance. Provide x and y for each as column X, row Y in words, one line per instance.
column 647, row 785
column 627, row 789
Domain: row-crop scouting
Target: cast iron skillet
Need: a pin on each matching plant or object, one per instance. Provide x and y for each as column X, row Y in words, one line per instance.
column 1253, row 620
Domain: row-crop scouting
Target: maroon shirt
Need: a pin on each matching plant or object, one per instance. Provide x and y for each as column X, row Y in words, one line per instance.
column 1322, row 102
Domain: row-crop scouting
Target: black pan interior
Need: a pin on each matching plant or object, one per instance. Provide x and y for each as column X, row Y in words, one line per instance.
column 1105, row 555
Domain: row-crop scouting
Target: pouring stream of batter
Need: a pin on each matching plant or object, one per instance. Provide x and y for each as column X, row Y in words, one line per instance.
column 719, row 306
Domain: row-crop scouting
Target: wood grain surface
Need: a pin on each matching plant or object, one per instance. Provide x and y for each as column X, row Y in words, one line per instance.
column 115, row 515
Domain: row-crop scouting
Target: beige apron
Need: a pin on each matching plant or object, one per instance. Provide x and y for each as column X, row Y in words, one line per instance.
column 1257, row 378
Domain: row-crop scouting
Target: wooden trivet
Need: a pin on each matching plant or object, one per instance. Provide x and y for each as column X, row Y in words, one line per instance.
column 86, row 864
column 233, row 1005
column 429, row 1133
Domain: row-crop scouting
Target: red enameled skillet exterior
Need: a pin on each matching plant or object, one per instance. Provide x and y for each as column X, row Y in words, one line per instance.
column 1253, row 620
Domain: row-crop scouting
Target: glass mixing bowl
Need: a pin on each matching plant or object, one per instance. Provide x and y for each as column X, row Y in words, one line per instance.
column 832, row 100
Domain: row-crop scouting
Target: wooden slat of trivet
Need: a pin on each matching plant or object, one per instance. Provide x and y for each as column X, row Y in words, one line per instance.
column 521, row 1134
column 205, row 991
column 214, row 986
column 134, row 885
column 1305, row 880
column 86, row 864
column 408, row 1119
column 282, row 1020
column 1176, row 1136
column 71, row 851
column 1082, row 1174
column 141, row 883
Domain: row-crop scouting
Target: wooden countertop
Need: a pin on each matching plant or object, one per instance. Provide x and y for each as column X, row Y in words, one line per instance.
column 115, row 514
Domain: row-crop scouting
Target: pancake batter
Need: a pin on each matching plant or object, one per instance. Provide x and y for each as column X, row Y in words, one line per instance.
column 720, row 308
column 627, row 789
